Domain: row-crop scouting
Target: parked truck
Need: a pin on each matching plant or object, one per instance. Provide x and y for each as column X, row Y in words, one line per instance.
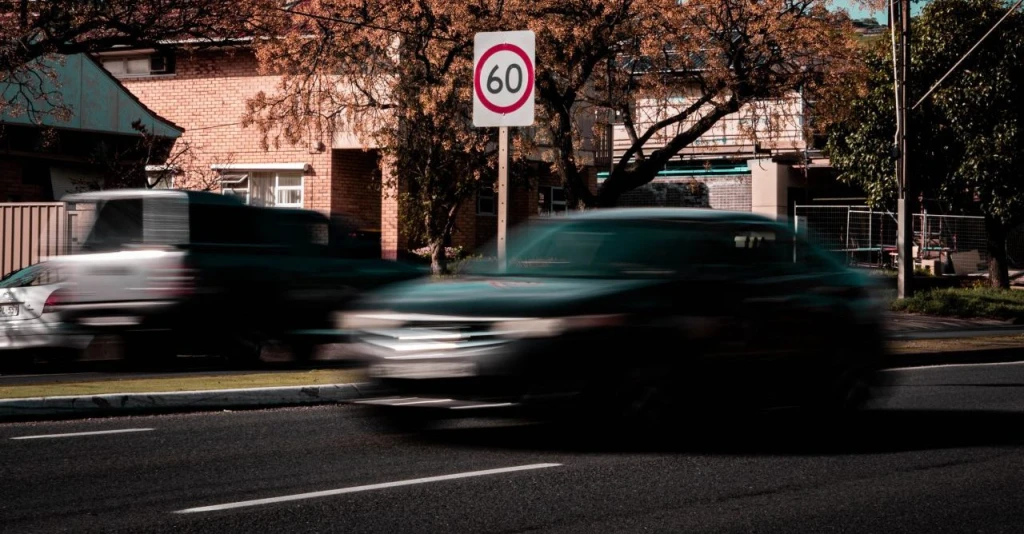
column 172, row 272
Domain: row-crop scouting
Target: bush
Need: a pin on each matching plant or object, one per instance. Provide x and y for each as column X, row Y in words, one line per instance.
column 979, row 302
column 453, row 253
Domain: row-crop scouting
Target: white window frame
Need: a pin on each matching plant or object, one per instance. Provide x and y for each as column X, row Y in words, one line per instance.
column 276, row 188
column 493, row 199
column 105, row 59
column 549, row 191
column 234, row 179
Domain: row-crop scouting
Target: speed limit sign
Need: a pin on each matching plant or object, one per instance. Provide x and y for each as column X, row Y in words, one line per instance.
column 503, row 79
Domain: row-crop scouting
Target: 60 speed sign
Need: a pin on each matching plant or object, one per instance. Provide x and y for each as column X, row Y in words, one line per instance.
column 503, row 78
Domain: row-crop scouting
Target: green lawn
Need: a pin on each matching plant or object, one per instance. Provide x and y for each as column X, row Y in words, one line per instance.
column 966, row 303
column 186, row 383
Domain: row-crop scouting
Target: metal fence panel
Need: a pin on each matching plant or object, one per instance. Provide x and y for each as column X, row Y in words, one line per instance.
column 30, row 233
column 863, row 236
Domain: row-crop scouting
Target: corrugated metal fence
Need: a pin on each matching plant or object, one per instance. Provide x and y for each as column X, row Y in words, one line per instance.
column 30, row 232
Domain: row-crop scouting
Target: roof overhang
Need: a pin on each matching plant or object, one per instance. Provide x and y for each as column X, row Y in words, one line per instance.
column 97, row 101
column 256, row 167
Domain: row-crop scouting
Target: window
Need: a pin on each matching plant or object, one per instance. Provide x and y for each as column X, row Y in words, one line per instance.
column 551, row 201
column 236, row 185
column 762, row 246
column 604, row 248
column 206, row 225
column 486, row 200
column 118, row 224
column 273, row 189
column 138, row 65
column 33, row 275
column 163, row 179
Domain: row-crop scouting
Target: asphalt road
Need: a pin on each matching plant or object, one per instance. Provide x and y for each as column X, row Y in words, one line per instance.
column 943, row 451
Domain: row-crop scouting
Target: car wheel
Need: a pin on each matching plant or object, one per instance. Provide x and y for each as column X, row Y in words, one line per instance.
column 302, row 351
column 148, row 350
column 244, row 350
column 641, row 401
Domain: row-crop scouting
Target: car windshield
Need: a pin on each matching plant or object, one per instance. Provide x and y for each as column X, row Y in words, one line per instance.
column 610, row 249
column 33, row 275
column 650, row 247
column 19, row 278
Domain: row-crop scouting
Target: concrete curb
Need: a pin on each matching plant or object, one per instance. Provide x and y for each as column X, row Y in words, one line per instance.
column 927, row 359
column 994, row 331
column 63, row 407
column 35, row 408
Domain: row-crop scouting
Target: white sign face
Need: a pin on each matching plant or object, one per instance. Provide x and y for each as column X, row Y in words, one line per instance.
column 503, row 79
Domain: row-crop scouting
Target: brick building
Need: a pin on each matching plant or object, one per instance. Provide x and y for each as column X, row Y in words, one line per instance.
column 206, row 91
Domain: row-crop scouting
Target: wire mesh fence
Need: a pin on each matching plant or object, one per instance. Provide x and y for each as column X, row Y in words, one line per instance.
column 866, row 237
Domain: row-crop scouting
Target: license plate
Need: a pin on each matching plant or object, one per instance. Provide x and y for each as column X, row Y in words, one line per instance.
column 8, row 310
column 423, row 370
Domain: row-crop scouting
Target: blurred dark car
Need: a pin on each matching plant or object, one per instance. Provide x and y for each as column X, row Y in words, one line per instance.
column 626, row 314
column 183, row 272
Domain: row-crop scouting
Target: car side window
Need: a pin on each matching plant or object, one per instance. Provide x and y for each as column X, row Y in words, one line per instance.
column 762, row 245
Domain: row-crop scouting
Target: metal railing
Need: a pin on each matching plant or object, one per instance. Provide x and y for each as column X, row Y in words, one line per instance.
column 866, row 237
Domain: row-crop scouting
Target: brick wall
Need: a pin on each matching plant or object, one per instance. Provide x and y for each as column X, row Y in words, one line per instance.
column 21, row 182
column 728, row 192
column 356, row 188
column 206, row 96
column 717, row 192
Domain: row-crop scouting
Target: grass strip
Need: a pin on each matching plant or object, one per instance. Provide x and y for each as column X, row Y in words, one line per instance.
column 968, row 303
column 188, row 383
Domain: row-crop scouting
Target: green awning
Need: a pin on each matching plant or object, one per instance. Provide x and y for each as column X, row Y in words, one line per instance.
column 97, row 101
column 714, row 170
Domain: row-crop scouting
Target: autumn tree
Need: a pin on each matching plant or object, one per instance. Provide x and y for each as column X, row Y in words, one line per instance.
column 34, row 29
column 124, row 162
column 717, row 56
column 397, row 76
column 965, row 141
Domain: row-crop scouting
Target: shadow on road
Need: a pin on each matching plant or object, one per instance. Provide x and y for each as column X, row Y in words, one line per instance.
column 868, row 432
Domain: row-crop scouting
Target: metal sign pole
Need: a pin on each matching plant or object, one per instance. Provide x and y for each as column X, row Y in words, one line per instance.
column 502, row 195
column 905, row 220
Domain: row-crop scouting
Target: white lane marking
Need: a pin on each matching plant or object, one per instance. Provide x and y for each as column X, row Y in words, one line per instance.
column 947, row 365
column 475, row 406
column 370, row 487
column 76, row 434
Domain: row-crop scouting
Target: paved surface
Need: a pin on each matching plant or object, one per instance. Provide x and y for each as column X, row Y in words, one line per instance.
column 907, row 322
column 942, row 452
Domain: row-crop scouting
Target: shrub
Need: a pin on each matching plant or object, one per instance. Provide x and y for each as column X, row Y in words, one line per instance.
column 982, row 302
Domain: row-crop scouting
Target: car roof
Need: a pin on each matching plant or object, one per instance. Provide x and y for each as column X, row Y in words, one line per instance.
column 688, row 214
column 193, row 197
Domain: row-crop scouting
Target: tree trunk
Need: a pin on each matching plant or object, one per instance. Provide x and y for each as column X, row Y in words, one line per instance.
column 998, row 270
column 438, row 257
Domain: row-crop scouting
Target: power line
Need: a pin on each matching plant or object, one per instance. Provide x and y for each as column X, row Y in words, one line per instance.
column 953, row 68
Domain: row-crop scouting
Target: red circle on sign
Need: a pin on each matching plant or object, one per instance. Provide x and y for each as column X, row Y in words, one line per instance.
column 504, row 47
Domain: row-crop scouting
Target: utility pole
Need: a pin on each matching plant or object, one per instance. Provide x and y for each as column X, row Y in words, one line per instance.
column 904, row 218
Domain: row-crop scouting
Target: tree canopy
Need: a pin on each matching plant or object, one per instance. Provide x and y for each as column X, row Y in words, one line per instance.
column 398, row 76
column 966, row 140
column 34, row 29
column 694, row 62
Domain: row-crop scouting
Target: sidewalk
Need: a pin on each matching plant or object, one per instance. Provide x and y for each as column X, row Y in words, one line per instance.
column 913, row 326
column 915, row 341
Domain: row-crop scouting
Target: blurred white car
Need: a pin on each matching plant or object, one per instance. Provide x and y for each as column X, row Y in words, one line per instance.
column 26, row 320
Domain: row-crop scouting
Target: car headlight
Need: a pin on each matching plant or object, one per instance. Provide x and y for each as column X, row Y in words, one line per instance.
column 365, row 320
column 549, row 327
